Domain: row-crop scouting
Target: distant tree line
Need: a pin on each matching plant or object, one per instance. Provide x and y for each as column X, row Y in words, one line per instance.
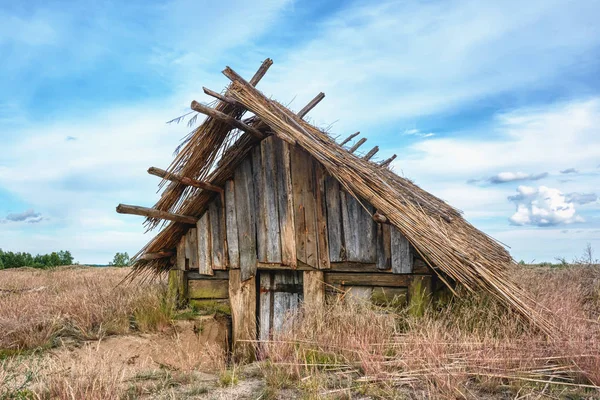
column 8, row 259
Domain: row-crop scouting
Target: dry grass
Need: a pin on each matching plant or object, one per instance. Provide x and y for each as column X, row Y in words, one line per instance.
column 40, row 307
column 472, row 348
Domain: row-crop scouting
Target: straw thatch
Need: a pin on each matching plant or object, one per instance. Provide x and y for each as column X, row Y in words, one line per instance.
column 450, row 245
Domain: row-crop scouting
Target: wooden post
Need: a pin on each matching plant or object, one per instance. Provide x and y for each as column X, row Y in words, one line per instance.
column 177, row 288
column 349, row 138
column 183, row 180
column 228, row 119
column 311, row 105
column 371, row 153
column 314, row 288
column 357, row 145
column 154, row 213
column 242, row 297
column 388, row 161
column 419, row 294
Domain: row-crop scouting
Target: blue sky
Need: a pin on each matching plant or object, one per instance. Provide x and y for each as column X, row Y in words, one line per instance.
column 485, row 104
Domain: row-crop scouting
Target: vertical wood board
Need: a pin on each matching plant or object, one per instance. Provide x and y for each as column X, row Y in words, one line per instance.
column 215, row 211
column 321, row 210
column 204, row 245
column 191, row 248
column 305, row 217
column 245, row 212
column 242, row 297
column 285, row 203
column 401, row 253
column 334, row 220
column 269, row 199
column 231, row 226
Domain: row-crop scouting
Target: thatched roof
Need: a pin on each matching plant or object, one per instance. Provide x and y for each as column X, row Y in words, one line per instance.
column 449, row 244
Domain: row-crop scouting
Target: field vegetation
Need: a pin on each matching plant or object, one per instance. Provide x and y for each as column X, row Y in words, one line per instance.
column 75, row 332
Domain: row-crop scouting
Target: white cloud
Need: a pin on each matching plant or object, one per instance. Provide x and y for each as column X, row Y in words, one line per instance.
column 582, row 198
column 542, row 206
column 504, row 177
column 416, row 132
column 29, row 216
column 570, row 171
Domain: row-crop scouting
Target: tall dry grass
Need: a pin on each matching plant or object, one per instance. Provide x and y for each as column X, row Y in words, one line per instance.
column 40, row 307
column 471, row 348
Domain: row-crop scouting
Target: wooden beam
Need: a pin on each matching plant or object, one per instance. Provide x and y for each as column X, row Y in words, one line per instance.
column 157, row 255
column 357, row 145
column 388, row 161
column 349, row 138
column 311, row 105
column 223, row 98
column 228, row 119
column 262, row 70
column 154, row 213
column 183, row 180
column 371, row 153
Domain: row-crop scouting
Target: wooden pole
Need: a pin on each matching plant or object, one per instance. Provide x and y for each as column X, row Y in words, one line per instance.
column 371, row 153
column 223, row 98
column 349, row 138
column 156, row 256
column 261, row 71
column 357, row 145
column 211, row 112
column 183, row 180
column 154, row 213
column 311, row 105
column 388, row 161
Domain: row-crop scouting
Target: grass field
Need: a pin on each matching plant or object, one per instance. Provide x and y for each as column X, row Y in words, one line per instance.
column 74, row 332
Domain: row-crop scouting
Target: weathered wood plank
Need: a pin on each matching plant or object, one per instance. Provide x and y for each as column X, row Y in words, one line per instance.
column 217, row 230
column 191, row 248
column 231, row 226
column 270, row 201
column 384, row 254
column 364, row 279
column 303, row 184
column 242, row 297
column 401, row 254
column 208, row 289
column 245, row 211
column 350, row 217
column 153, row 213
column 321, row 210
column 204, row 245
column 334, row 220
column 285, row 302
column 314, row 288
column 259, row 205
column 180, row 261
column 176, row 292
column 265, row 307
column 360, row 231
column 194, row 275
column 285, row 203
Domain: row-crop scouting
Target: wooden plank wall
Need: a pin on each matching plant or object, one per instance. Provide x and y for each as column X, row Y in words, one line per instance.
column 282, row 207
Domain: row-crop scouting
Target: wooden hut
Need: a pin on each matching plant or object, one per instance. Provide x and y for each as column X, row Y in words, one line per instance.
column 269, row 211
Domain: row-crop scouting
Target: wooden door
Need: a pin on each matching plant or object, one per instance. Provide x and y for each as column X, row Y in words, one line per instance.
column 280, row 292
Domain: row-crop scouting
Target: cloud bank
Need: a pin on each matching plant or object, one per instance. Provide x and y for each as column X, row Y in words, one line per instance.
column 542, row 206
